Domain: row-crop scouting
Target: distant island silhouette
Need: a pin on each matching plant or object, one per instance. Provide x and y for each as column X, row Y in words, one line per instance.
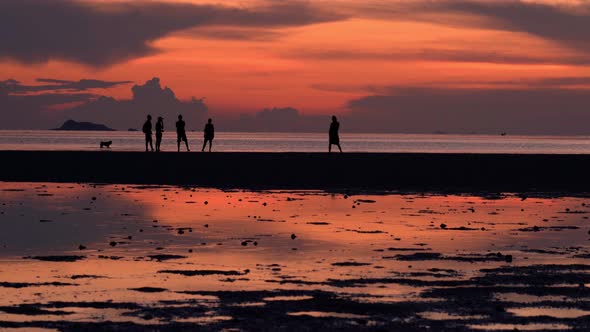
column 73, row 125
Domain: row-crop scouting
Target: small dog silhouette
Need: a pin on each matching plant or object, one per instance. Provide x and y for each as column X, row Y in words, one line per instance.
column 106, row 144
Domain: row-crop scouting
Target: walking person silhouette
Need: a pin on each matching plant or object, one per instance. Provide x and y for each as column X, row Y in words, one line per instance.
column 209, row 134
column 334, row 137
column 147, row 130
column 159, row 131
column 181, row 133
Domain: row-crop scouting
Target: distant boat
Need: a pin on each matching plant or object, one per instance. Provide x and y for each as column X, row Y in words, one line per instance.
column 503, row 134
column 132, row 129
column 73, row 125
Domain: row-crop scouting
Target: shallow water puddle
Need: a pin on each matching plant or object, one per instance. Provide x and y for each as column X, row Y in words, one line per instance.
column 528, row 299
column 434, row 315
column 550, row 312
column 288, row 298
column 155, row 256
column 322, row 314
column 521, row 327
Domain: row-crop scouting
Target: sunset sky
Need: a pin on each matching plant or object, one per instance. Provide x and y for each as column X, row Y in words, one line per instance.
column 374, row 59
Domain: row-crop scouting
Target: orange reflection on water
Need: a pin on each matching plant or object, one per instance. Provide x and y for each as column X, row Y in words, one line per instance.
column 173, row 240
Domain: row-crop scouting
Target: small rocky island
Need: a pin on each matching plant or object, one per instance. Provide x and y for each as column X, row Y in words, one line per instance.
column 73, row 125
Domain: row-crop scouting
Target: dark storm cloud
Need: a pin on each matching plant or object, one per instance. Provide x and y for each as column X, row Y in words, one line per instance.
column 36, row 31
column 98, row 34
column 567, row 25
column 45, row 100
column 426, row 110
column 34, row 111
column 457, row 55
column 83, row 84
column 149, row 98
column 544, row 110
column 229, row 33
column 39, row 111
column 15, row 87
column 276, row 119
column 547, row 106
column 576, row 82
column 564, row 81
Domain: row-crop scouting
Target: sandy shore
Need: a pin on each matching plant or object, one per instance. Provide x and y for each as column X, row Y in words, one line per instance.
column 349, row 171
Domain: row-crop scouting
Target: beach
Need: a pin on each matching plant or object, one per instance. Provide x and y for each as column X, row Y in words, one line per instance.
column 453, row 172
column 114, row 257
column 403, row 166
column 136, row 241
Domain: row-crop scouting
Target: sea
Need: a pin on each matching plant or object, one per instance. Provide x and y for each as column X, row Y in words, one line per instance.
column 299, row 142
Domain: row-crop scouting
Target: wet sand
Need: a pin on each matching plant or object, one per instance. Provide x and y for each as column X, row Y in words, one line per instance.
column 166, row 258
column 348, row 171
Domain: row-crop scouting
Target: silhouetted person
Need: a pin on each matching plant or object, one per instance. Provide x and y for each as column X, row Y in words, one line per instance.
column 181, row 133
column 147, row 130
column 334, row 138
column 209, row 134
column 159, row 131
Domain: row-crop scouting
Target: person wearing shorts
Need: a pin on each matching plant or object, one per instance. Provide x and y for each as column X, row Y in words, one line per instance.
column 147, row 130
column 181, row 133
column 209, row 134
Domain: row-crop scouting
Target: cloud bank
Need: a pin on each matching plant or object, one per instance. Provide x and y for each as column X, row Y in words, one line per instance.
column 556, row 106
column 566, row 24
column 12, row 86
column 149, row 98
column 550, row 111
column 39, row 111
column 100, row 34
column 105, row 33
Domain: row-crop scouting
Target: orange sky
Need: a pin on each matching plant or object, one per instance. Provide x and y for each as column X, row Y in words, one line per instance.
column 318, row 67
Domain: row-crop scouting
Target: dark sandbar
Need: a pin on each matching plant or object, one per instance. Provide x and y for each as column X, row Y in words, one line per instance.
column 348, row 171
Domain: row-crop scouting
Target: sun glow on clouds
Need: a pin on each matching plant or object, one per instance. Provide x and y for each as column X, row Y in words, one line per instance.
column 246, row 68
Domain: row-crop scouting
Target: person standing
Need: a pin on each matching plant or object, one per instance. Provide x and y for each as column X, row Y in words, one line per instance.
column 147, row 130
column 334, row 136
column 159, row 131
column 181, row 133
column 209, row 134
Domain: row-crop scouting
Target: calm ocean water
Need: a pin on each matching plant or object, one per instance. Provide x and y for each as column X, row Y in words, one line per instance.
column 298, row 142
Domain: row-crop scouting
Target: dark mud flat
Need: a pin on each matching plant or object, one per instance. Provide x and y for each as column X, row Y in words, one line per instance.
column 140, row 258
column 348, row 171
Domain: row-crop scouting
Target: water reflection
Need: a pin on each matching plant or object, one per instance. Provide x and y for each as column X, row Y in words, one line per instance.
column 157, row 255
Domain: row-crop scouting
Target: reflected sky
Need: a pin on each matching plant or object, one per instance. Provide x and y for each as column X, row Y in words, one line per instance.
column 147, row 245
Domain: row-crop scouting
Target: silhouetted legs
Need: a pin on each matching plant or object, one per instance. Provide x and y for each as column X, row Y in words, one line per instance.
column 158, row 142
column 183, row 138
column 330, row 147
column 148, row 140
column 205, row 144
